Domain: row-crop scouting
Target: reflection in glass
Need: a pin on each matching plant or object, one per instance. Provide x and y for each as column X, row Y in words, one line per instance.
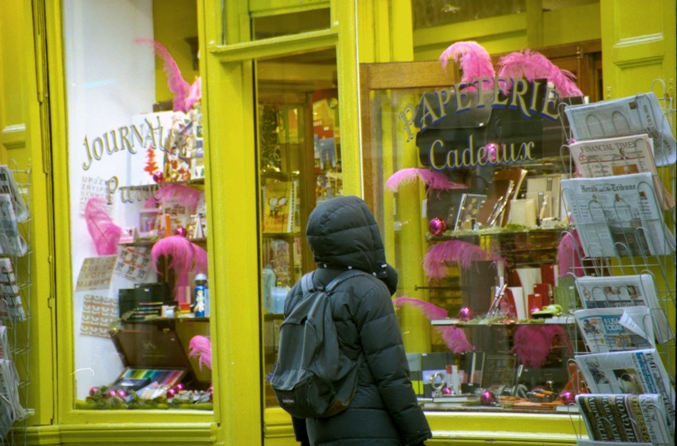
column 299, row 166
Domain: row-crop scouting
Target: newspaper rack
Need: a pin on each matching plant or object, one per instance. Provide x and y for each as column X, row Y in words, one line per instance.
column 15, row 235
column 607, row 241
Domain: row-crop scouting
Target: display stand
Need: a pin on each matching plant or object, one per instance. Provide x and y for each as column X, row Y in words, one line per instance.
column 611, row 239
column 18, row 329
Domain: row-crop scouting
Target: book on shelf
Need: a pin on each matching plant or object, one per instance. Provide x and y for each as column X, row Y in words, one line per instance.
column 625, row 291
column 618, row 216
column 616, row 329
column 279, row 204
column 631, row 115
column 626, row 418
column 622, row 155
column 634, row 371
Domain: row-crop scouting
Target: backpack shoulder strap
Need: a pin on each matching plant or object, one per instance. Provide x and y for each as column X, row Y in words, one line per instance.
column 307, row 284
column 342, row 278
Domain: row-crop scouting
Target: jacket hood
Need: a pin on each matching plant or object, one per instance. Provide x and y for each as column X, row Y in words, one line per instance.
column 343, row 233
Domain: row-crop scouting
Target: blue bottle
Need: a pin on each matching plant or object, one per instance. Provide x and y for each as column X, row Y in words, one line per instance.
column 201, row 296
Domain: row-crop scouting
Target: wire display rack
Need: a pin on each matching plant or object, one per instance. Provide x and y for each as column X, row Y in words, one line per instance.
column 19, row 330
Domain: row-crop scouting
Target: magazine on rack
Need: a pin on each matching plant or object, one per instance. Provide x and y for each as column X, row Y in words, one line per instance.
column 626, row 418
column 641, row 113
column 618, row 216
column 9, row 186
column 10, row 405
column 616, row 329
column 625, row 291
column 623, row 155
column 635, row 371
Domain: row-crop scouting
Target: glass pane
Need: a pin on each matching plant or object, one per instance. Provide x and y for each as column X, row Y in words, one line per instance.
column 429, row 13
column 473, row 249
column 265, row 27
column 299, row 152
column 136, row 184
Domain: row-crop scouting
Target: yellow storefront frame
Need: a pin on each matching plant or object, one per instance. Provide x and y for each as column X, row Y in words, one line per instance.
column 238, row 413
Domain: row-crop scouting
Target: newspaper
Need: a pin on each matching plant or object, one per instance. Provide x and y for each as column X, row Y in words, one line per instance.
column 11, row 241
column 622, row 292
column 10, row 405
column 615, row 329
column 4, row 343
column 618, row 216
column 623, row 155
column 626, row 418
column 626, row 116
column 10, row 300
column 636, row 372
column 9, row 186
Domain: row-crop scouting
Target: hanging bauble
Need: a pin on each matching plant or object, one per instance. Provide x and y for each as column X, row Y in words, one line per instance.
column 465, row 314
column 157, row 177
column 180, row 231
column 487, row 398
column 437, row 226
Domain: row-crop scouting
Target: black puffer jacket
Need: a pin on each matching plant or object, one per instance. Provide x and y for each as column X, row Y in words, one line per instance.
column 343, row 234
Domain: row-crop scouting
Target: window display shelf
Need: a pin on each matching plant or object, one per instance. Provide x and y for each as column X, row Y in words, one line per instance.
column 557, row 320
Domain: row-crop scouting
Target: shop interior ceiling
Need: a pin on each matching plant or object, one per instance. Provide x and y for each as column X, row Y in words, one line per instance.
column 430, row 13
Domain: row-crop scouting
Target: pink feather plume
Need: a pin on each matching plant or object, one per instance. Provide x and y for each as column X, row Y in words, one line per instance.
column 185, row 95
column 201, row 347
column 431, row 311
column 533, row 343
column 185, row 195
column 452, row 252
column 475, row 61
column 434, row 180
column 183, row 257
column 569, row 255
column 533, row 65
column 104, row 232
column 454, row 337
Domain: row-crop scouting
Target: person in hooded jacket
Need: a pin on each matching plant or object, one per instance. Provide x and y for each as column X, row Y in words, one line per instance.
column 343, row 234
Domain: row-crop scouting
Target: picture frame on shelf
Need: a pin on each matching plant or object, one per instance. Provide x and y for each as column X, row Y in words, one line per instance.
column 148, row 223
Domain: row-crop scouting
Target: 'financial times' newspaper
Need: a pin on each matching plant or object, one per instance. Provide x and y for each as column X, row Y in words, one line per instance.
column 623, row 292
column 623, row 155
column 618, row 216
column 635, row 372
column 641, row 113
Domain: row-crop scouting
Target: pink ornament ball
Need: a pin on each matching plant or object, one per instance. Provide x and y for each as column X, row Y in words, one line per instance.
column 111, row 393
column 171, row 393
column 465, row 314
column 437, row 226
column 487, row 398
column 122, row 394
column 533, row 310
column 157, row 177
column 179, row 387
column 446, row 391
column 93, row 390
column 180, row 231
column 567, row 397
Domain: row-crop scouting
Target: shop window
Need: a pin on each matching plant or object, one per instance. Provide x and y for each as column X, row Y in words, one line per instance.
column 137, row 209
column 519, row 228
column 299, row 162
column 268, row 26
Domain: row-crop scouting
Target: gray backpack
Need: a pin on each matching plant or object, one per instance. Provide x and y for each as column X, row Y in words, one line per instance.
column 313, row 378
